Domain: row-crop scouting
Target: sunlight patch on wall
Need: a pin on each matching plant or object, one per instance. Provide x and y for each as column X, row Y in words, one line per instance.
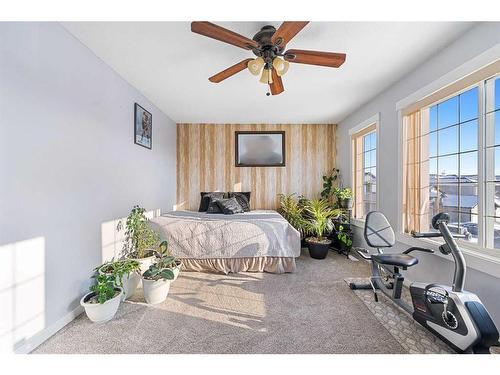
column 22, row 292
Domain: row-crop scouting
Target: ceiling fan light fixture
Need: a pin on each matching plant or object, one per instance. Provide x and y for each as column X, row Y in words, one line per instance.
column 255, row 65
column 266, row 77
column 281, row 66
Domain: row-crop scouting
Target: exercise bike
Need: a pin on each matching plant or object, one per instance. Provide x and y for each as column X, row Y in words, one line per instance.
column 454, row 315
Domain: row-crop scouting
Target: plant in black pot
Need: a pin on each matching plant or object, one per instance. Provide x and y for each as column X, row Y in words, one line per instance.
column 344, row 239
column 344, row 197
column 321, row 214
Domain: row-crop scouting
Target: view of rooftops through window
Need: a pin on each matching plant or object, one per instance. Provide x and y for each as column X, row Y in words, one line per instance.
column 453, row 161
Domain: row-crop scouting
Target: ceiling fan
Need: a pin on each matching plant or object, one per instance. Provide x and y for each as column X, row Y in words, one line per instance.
column 268, row 45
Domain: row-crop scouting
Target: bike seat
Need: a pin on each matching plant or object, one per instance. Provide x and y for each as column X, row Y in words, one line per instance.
column 399, row 260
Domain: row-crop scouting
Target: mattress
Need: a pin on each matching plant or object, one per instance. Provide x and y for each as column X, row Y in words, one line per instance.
column 260, row 240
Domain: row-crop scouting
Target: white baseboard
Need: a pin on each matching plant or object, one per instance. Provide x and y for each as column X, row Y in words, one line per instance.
column 33, row 342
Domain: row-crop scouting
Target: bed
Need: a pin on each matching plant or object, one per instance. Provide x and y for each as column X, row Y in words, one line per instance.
column 255, row 241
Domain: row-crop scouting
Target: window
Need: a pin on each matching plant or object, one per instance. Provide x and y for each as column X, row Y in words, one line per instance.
column 364, row 146
column 492, row 163
column 451, row 163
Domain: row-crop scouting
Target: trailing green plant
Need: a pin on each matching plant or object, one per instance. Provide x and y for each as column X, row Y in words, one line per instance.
column 292, row 209
column 104, row 288
column 344, row 236
column 139, row 237
column 119, row 268
column 321, row 214
column 329, row 183
column 161, row 269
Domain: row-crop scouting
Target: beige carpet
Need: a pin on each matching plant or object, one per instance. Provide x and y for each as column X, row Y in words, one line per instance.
column 414, row 338
column 310, row 311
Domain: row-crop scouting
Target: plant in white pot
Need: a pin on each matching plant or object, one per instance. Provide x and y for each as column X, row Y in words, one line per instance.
column 175, row 265
column 320, row 215
column 102, row 303
column 156, row 280
column 126, row 273
column 140, row 240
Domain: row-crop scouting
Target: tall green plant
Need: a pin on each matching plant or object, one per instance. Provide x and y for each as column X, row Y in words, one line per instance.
column 139, row 237
column 292, row 209
column 321, row 215
column 329, row 183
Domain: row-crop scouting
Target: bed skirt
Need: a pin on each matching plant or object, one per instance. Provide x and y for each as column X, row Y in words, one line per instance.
column 234, row 265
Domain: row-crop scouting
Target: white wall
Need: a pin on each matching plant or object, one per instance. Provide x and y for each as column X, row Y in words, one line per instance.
column 68, row 165
column 432, row 268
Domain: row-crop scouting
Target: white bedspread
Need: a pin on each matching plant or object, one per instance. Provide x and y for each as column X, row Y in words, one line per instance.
column 199, row 235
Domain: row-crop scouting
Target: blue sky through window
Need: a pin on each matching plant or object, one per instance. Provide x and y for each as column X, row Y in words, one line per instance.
column 454, row 134
column 453, row 142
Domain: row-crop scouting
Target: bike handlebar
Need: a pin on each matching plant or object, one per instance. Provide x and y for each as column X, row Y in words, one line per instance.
column 440, row 222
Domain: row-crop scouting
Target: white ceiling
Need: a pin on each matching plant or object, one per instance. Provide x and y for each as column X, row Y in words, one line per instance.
column 170, row 65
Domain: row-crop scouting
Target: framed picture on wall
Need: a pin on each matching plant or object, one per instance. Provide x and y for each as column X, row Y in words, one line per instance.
column 143, row 127
column 260, row 148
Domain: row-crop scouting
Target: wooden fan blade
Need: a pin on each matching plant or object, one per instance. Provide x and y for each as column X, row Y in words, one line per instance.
column 231, row 71
column 287, row 31
column 301, row 56
column 224, row 35
column 277, row 85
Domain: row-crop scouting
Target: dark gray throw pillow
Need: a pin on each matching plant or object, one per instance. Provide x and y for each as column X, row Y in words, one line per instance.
column 213, row 207
column 229, row 206
column 243, row 198
column 205, row 199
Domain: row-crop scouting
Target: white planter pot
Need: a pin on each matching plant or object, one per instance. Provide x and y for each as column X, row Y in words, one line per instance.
column 155, row 291
column 130, row 283
column 145, row 262
column 176, row 271
column 100, row 313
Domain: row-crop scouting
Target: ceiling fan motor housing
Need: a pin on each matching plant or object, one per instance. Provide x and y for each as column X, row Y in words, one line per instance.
column 267, row 50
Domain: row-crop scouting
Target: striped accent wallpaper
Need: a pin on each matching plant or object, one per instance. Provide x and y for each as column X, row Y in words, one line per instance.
column 206, row 162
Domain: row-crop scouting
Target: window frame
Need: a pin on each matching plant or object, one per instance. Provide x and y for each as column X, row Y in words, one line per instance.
column 478, row 250
column 479, row 151
column 370, row 125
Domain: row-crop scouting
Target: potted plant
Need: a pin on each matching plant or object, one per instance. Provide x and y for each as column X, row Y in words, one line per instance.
column 321, row 214
column 344, row 240
column 293, row 211
column 101, row 304
column 126, row 273
column 344, row 196
column 156, row 280
column 140, row 239
column 329, row 181
column 176, row 264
